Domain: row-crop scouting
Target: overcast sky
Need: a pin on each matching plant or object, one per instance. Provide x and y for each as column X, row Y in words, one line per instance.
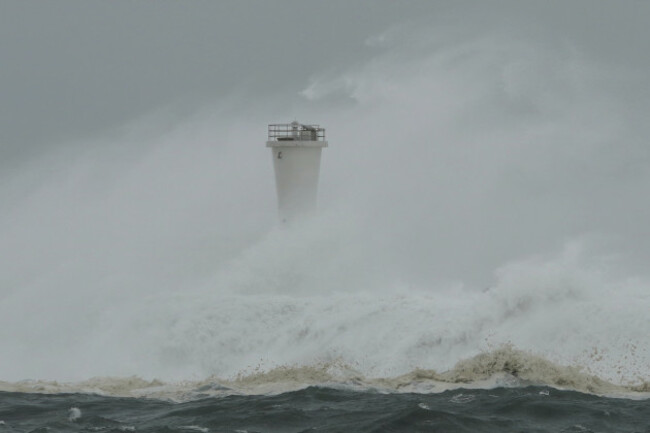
column 463, row 134
column 73, row 69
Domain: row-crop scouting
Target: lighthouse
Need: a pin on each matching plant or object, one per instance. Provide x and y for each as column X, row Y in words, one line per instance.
column 296, row 151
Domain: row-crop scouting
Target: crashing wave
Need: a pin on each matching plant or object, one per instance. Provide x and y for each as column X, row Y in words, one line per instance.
column 502, row 367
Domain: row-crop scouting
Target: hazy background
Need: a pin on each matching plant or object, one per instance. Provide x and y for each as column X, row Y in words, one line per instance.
column 464, row 136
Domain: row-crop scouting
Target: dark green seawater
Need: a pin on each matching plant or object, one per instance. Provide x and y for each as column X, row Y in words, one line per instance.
column 531, row 409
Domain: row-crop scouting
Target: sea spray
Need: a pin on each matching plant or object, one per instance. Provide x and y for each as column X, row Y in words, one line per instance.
column 502, row 367
column 251, row 317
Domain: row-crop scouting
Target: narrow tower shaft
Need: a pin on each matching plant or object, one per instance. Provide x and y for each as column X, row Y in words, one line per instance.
column 296, row 151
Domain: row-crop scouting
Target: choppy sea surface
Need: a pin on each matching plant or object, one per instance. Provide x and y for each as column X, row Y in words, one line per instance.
column 502, row 390
column 519, row 409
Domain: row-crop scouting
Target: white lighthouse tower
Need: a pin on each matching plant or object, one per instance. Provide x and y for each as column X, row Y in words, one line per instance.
column 296, row 150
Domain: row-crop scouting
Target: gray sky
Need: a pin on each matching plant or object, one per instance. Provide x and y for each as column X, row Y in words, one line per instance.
column 463, row 134
column 73, row 69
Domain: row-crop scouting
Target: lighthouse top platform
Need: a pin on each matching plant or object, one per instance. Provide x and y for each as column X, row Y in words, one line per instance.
column 295, row 134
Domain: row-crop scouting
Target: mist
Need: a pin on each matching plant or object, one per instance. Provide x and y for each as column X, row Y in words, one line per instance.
column 466, row 162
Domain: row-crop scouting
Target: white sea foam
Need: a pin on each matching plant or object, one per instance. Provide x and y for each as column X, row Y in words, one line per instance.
column 194, row 428
column 74, row 414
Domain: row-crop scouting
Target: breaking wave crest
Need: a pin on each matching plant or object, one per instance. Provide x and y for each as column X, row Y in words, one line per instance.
column 305, row 307
column 502, row 367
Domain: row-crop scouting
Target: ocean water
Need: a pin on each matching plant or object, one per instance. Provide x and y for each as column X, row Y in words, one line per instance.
column 518, row 409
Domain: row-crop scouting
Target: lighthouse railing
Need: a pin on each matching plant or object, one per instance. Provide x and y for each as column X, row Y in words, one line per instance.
column 295, row 131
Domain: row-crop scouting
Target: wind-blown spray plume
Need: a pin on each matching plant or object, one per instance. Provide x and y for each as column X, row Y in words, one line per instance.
column 457, row 172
